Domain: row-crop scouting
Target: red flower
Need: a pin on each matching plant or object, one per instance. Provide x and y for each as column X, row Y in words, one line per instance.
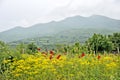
column 99, row 57
column 58, row 56
column 83, row 54
column 51, row 56
column 51, row 52
column 38, row 49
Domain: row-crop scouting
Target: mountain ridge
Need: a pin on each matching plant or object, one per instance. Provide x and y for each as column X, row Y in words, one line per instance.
column 54, row 27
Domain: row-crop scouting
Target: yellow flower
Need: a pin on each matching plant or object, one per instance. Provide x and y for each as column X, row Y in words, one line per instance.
column 111, row 65
column 17, row 75
column 108, row 58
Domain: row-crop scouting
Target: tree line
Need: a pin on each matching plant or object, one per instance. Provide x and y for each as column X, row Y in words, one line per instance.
column 98, row 43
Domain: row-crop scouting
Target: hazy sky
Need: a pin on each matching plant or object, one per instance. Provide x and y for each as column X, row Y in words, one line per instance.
column 29, row 12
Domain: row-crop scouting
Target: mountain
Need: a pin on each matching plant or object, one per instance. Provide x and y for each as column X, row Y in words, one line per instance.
column 95, row 22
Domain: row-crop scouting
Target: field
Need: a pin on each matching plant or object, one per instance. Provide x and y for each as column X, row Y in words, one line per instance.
column 97, row 59
column 59, row 39
column 50, row 66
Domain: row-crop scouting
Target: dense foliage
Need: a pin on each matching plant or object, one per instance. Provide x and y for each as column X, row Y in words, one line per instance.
column 99, row 43
column 115, row 38
column 91, row 60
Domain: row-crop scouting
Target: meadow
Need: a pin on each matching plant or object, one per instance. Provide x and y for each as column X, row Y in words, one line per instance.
column 97, row 59
column 51, row 66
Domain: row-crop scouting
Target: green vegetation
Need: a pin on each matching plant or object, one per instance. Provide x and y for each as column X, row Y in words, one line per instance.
column 68, row 37
column 76, row 48
column 99, row 43
column 62, row 67
column 92, row 60
column 115, row 38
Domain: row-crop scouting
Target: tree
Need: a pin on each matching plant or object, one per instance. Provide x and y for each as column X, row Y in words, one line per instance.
column 31, row 48
column 115, row 38
column 99, row 43
column 3, row 47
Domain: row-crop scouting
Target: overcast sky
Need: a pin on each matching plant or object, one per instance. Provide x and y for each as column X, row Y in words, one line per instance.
column 29, row 12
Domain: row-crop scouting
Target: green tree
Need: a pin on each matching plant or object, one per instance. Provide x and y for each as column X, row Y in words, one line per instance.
column 77, row 48
column 115, row 38
column 31, row 48
column 3, row 47
column 99, row 43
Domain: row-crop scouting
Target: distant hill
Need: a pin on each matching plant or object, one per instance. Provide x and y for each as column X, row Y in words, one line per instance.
column 63, row 27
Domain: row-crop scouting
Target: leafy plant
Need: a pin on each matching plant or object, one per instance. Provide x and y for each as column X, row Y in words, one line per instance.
column 31, row 48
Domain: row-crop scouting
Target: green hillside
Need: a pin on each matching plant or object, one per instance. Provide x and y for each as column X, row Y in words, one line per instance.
column 64, row 27
column 65, row 37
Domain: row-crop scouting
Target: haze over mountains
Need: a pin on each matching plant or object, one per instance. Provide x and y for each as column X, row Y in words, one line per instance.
column 76, row 24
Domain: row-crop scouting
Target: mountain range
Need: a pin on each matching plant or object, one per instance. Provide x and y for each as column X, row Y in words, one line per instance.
column 70, row 25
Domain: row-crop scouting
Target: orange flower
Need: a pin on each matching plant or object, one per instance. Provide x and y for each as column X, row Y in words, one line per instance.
column 51, row 52
column 83, row 54
column 58, row 56
column 51, row 56
column 99, row 57
column 38, row 49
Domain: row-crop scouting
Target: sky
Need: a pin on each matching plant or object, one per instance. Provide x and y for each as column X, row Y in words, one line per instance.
column 26, row 13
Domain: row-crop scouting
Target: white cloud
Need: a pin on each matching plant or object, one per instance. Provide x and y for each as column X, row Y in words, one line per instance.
column 89, row 7
column 29, row 12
